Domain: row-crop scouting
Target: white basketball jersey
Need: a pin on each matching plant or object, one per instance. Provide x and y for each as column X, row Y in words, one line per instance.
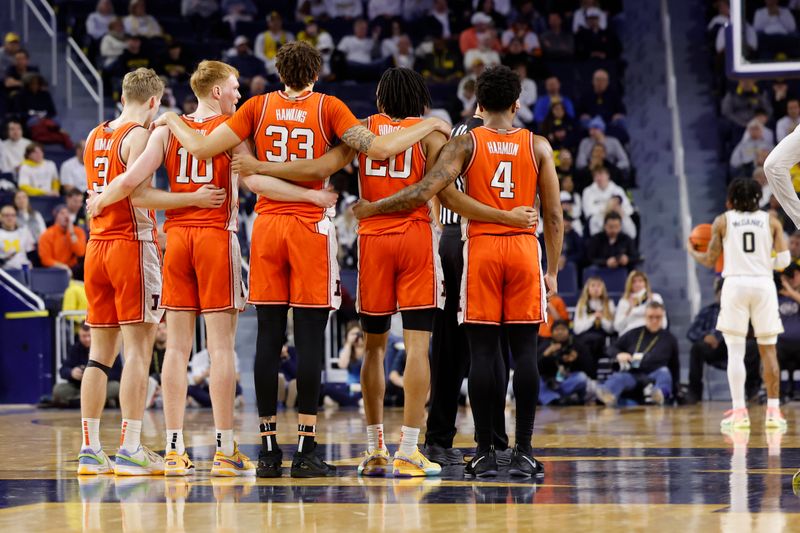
column 747, row 246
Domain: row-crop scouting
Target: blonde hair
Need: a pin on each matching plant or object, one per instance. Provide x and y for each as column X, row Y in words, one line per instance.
column 583, row 302
column 629, row 284
column 209, row 74
column 141, row 84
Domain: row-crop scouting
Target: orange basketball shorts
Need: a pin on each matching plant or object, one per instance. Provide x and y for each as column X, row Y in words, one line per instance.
column 123, row 282
column 202, row 270
column 294, row 262
column 502, row 281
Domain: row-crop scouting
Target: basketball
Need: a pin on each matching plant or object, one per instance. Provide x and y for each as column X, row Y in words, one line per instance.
column 700, row 237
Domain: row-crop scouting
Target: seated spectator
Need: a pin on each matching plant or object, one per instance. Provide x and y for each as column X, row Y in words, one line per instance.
column 481, row 27
column 774, row 19
column 739, row 105
column 176, row 64
column 557, row 43
column 287, row 376
column 787, row 124
column 612, row 248
column 588, row 8
column 615, row 206
column 571, row 204
column 234, row 11
column 33, row 102
column 241, row 58
column 98, row 21
column 16, row 241
column 156, row 365
column 441, row 23
column 139, row 23
column 69, row 394
column 466, row 90
column 744, row 155
column 75, row 208
column 606, row 103
column 113, row 43
column 268, row 42
column 11, row 45
column 493, row 9
column 14, row 147
column 75, row 300
column 29, row 217
column 594, row 317
column 344, row 9
column 351, row 356
column 258, row 85
column 404, row 56
column 439, row 113
column 483, row 52
column 520, row 29
column 189, row 104
column 563, row 368
column 16, row 72
column 565, row 167
column 552, row 87
column 132, row 58
column 598, row 158
column 556, row 310
column 559, row 128
column 362, row 53
column 572, row 248
column 594, row 42
column 202, row 15
column 647, row 355
column 322, row 41
column 73, row 173
column 630, row 312
column 615, row 153
column 708, row 348
column 789, row 340
column 63, row 244
column 38, row 176
column 764, row 118
column 389, row 44
column 199, row 388
column 598, row 195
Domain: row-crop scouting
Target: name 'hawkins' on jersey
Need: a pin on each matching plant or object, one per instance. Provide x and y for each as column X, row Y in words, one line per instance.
column 747, row 246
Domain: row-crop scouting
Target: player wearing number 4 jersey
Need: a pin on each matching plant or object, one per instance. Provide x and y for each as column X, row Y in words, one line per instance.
column 123, row 278
column 202, row 268
column 293, row 255
column 747, row 237
column 398, row 264
column 502, row 283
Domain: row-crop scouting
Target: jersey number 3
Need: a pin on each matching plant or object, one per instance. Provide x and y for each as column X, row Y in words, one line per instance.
column 502, row 180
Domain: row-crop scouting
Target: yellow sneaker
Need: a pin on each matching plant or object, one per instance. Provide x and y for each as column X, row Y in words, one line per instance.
column 375, row 463
column 774, row 419
column 178, row 465
column 237, row 464
column 415, row 465
column 736, row 419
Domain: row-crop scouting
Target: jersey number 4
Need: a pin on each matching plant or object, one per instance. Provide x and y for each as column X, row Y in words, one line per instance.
column 502, row 180
column 193, row 174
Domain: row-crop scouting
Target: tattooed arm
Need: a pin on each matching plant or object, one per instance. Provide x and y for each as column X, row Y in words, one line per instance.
column 380, row 147
column 523, row 216
column 447, row 168
column 710, row 256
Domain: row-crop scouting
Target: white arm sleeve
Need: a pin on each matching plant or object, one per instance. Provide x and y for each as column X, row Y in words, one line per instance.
column 781, row 260
column 782, row 158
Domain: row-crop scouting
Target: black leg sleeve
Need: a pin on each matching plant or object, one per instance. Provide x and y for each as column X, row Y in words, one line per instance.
column 309, row 339
column 271, row 334
column 484, row 347
column 523, row 340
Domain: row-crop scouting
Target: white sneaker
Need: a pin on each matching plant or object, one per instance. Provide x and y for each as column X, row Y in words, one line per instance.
column 143, row 462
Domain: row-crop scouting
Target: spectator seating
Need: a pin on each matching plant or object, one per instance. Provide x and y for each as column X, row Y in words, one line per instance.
column 18, row 275
column 50, row 284
column 45, row 205
column 614, row 279
column 568, row 287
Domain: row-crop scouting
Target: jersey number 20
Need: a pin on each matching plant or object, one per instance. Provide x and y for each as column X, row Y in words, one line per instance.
column 399, row 173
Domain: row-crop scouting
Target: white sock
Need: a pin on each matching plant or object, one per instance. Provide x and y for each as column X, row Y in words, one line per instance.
column 91, row 433
column 131, row 435
column 773, row 403
column 375, row 437
column 737, row 374
column 408, row 440
column 225, row 441
column 175, row 441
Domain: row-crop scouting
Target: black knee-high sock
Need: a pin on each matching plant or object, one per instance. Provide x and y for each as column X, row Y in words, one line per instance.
column 523, row 339
column 309, row 339
column 271, row 335
column 484, row 347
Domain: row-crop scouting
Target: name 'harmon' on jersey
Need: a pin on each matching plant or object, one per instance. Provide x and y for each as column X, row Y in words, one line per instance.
column 502, row 148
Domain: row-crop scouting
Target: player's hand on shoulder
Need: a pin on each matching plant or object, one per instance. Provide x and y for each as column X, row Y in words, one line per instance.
column 363, row 209
column 524, row 216
column 244, row 164
column 441, row 126
column 324, row 197
column 209, row 196
column 93, row 207
column 162, row 120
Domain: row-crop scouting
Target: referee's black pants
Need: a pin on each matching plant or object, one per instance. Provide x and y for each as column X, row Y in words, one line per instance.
column 450, row 356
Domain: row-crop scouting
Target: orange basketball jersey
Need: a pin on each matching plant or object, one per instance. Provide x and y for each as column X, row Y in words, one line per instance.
column 187, row 174
column 287, row 128
column 381, row 179
column 502, row 173
column 103, row 162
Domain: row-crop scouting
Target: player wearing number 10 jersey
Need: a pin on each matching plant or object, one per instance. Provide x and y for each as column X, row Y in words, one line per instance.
column 293, row 254
column 502, row 284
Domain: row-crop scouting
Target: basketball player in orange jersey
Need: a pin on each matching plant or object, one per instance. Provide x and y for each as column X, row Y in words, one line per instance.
column 123, row 278
column 202, row 267
column 293, row 255
column 502, row 283
column 398, row 265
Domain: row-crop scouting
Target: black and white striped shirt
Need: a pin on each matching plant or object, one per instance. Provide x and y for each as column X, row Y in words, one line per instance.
column 447, row 216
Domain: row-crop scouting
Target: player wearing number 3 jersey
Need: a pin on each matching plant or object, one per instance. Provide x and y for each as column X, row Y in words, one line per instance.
column 747, row 237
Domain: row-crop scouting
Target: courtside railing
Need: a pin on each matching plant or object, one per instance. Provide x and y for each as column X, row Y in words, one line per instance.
column 75, row 59
column 40, row 8
column 67, row 325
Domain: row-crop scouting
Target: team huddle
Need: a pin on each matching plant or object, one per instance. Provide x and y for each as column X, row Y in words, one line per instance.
column 281, row 145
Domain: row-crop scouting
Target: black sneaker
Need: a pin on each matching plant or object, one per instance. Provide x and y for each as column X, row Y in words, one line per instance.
column 269, row 463
column 310, row 464
column 443, row 456
column 524, row 465
column 484, row 464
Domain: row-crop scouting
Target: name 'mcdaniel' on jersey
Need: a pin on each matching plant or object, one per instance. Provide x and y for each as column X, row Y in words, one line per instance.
column 502, row 173
column 381, row 179
column 103, row 162
column 188, row 174
column 287, row 128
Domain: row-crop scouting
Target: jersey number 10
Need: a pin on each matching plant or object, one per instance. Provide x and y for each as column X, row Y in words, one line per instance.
column 193, row 174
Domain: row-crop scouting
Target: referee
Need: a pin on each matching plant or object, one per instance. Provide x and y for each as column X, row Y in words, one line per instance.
column 450, row 353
